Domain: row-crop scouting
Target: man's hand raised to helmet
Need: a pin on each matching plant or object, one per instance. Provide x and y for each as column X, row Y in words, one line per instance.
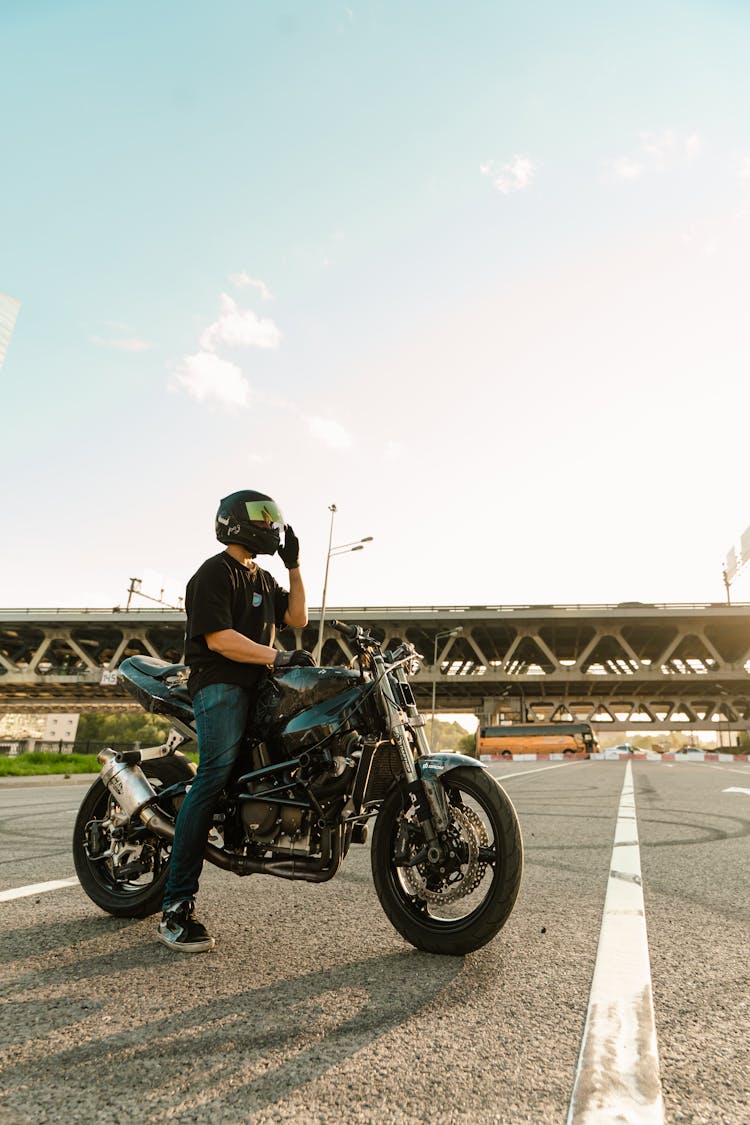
column 289, row 553
column 297, row 658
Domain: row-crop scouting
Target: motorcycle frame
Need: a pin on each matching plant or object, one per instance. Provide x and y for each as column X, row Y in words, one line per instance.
column 422, row 787
column 404, row 726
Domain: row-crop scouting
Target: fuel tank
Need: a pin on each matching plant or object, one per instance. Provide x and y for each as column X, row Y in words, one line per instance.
column 310, row 696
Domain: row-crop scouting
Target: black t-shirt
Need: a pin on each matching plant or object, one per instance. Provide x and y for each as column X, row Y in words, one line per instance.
column 224, row 594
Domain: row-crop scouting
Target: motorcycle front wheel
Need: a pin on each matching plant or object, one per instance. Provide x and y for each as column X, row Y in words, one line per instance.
column 460, row 904
column 130, row 882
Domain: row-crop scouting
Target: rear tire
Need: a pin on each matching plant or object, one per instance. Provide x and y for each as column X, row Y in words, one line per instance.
column 119, row 897
column 483, row 811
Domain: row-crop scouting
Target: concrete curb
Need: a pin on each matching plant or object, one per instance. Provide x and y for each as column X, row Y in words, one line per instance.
column 707, row 756
column 48, row 779
column 693, row 756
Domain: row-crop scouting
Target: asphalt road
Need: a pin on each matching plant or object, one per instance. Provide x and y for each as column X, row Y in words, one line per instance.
column 312, row 1008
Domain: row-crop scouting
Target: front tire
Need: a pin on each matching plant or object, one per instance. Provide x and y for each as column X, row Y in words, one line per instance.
column 459, row 908
column 108, row 885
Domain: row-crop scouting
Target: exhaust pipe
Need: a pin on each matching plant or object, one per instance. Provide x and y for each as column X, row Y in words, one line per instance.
column 128, row 784
column 309, row 870
column 132, row 790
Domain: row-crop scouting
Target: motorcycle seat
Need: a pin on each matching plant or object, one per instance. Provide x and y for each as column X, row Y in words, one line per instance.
column 159, row 669
column 159, row 686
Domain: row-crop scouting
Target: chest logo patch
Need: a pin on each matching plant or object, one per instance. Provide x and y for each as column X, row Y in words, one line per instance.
column 257, row 600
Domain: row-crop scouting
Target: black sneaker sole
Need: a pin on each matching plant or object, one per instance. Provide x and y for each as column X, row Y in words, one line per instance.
column 201, row 946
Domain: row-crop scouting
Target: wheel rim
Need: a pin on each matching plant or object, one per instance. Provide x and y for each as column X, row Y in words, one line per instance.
column 456, row 895
column 111, row 873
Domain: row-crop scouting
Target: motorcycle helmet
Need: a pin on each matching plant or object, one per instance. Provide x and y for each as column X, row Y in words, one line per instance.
column 251, row 519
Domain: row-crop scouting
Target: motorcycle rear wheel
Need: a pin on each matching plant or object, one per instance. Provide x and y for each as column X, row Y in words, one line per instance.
column 461, row 911
column 124, row 898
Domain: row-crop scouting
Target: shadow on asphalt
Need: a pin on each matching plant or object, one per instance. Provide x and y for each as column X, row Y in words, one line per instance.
column 31, row 941
column 234, row 1055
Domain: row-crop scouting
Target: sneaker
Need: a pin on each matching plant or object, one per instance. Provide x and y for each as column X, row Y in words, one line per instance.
column 180, row 930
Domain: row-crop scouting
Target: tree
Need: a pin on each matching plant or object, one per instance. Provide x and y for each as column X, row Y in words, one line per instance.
column 149, row 730
column 450, row 736
column 468, row 745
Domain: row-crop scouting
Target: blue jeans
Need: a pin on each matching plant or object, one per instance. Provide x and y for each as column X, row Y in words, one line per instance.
column 221, row 712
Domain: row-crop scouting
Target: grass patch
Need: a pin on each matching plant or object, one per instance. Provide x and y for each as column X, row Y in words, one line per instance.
column 40, row 763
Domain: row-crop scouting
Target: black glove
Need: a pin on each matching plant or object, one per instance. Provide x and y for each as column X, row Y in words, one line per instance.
column 289, row 553
column 297, row 658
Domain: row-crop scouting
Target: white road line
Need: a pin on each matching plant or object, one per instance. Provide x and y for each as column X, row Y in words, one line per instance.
column 617, row 1079
column 736, row 789
column 527, row 773
column 36, row 889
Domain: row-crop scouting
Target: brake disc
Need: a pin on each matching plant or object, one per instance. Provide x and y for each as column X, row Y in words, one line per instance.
column 422, row 878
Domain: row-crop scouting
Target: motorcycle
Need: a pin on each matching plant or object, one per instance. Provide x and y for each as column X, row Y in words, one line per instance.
column 329, row 748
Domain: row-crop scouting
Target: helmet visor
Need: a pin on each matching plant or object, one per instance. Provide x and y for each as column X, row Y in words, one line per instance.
column 264, row 511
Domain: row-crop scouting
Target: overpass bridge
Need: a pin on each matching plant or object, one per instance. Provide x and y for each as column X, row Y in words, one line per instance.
column 664, row 667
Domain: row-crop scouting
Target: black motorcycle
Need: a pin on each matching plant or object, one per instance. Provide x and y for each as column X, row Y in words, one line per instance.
column 329, row 749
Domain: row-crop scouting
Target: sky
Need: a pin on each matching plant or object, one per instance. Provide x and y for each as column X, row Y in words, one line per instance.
column 475, row 273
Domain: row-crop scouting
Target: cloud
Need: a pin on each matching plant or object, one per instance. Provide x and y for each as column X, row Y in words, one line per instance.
column 516, row 175
column 244, row 281
column 128, row 344
column 328, row 431
column 667, row 146
column 205, row 376
column 239, row 328
column 627, row 169
column 9, row 307
column 693, row 146
column 744, row 169
column 345, row 20
column 657, row 151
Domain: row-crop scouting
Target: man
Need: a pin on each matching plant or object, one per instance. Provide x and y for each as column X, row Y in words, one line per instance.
column 233, row 608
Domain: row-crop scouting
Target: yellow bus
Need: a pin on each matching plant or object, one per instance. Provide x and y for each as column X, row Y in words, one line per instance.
column 537, row 738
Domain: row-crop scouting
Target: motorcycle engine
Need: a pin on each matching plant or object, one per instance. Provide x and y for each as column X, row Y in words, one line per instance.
column 267, row 822
column 285, row 828
column 270, row 824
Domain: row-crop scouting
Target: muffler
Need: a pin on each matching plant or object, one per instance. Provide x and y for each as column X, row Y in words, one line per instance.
column 127, row 783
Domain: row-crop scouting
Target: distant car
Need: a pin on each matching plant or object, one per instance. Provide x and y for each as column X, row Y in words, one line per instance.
column 614, row 752
column 618, row 752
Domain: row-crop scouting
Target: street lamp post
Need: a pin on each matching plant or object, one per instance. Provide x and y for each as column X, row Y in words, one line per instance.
column 727, row 584
column 341, row 549
column 332, row 510
column 447, row 633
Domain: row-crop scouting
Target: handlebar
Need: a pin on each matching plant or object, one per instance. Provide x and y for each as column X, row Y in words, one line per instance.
column 359, row 633
column 351, row 632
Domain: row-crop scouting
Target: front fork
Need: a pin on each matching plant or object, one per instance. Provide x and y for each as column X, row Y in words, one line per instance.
column 426, row 794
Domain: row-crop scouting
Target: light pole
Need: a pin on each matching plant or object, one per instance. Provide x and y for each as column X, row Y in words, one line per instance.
column 135, row 588
column 332, row 510
column 727, row 584
column 447, row 633
column 341, row 549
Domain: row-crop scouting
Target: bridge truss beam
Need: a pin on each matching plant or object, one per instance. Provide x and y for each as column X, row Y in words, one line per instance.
column 652, row 666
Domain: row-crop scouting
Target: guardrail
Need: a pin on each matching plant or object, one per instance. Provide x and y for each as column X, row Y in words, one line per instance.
column 636, row 607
